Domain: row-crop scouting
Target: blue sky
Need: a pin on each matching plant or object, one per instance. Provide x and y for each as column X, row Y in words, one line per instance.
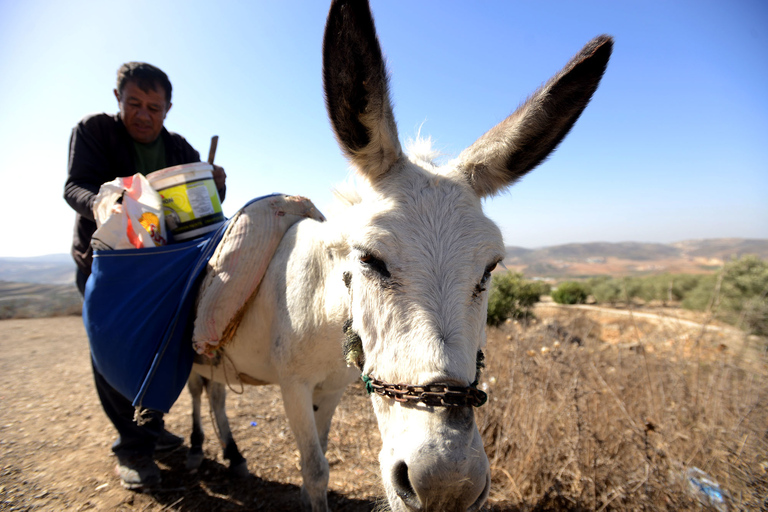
column 673, row 146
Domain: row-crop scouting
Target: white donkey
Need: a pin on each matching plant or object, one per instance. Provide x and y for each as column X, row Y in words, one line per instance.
column 397, row 283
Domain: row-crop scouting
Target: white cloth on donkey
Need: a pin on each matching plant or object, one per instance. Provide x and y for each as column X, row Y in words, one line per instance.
column 236, row 269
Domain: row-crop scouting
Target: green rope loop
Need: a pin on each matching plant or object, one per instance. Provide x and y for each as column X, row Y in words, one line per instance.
column 368, row 383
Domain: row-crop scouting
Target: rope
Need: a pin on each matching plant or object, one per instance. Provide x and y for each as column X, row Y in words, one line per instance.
column 237, row 375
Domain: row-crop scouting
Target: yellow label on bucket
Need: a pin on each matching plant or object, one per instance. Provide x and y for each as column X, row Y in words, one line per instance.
column 191, row 205
column 191, row 200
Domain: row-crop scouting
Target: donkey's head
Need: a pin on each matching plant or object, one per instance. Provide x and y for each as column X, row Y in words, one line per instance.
column 421, row 256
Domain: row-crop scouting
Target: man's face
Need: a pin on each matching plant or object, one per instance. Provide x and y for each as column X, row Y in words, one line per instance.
column 142, row 112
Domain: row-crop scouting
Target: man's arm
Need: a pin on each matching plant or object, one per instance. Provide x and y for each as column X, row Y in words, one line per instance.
column 88, row 169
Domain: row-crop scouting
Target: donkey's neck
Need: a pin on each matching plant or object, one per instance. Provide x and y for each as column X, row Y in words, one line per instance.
column 316, row 296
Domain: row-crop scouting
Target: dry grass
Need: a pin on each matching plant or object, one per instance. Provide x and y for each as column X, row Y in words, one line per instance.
column 616, row 425
column 613, row 424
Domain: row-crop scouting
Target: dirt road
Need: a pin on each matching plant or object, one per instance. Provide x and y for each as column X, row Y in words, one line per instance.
column 672, row 317
column 55, row 440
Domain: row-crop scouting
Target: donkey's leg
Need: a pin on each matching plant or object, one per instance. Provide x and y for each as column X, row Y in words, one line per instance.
column 297, row 400
column 195, row 455
column 324, row 405
column 217, row 397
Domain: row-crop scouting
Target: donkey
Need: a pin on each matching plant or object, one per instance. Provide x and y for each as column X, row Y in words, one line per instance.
column 395, row 285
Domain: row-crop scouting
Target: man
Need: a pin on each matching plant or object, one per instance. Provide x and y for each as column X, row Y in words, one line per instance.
column 104, row 147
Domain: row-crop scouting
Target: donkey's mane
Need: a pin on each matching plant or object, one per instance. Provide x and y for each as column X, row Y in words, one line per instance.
column 419, row 150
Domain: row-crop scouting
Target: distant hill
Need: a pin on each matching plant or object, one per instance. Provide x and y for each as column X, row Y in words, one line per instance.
column 41, row 286
column 630, row 258
column 634, row 251
column 724, row 248
column 31, row 300
column 720, row 248
column 596, row 258
column 518, row 252
column 50, row 269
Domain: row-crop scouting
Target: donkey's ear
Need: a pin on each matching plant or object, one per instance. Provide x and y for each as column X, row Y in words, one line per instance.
column 523, row 140
column 357, row 89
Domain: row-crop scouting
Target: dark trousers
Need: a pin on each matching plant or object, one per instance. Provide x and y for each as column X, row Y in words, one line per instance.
column 134, row 439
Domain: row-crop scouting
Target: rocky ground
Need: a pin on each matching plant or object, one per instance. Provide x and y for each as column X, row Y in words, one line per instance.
column 55, row 440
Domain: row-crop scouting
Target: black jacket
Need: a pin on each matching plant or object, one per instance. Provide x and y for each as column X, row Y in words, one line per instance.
column 101, row 150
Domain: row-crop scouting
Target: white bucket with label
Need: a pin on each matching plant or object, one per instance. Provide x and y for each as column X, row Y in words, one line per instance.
column 190, row 200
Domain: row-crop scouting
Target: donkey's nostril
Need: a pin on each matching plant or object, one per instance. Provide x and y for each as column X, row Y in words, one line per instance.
column 403, row 487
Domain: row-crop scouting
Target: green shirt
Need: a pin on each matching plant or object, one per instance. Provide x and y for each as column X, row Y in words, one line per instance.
column 149, row 157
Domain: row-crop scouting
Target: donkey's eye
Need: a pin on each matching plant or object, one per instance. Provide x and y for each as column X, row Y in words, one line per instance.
column 373, row 263
column 481, row 286
column 487, row 273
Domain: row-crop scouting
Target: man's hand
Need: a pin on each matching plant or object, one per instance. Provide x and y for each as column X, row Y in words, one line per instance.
column 219, row 176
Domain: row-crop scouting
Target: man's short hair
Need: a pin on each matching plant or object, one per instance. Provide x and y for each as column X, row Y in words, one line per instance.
column 146, row 76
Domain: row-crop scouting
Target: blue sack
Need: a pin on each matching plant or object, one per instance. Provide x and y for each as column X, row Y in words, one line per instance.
column 137, row 313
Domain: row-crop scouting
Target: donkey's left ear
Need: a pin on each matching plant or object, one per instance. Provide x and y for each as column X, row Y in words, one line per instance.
column 523, row 140
column 357, row 89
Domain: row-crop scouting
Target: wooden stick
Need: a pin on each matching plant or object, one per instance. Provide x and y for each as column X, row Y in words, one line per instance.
column 212, row 151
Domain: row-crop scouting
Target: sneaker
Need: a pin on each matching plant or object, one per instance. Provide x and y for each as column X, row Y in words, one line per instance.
column 137, row 472
column 167, row 442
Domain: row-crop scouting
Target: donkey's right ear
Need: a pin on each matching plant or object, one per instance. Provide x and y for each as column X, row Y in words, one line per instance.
column 357, row 89
column 523, row 140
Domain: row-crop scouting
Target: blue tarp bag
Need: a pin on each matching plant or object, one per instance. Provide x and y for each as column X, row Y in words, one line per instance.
column 137, row 312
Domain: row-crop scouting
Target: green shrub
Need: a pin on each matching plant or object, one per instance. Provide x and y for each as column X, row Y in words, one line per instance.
column 570, row 292
column 701, row 295
column 656, row 288
column 737, row 295
column 511, row 296
column 607, row 291
column 664, row 288
column 667, row 287
column 631, row 288
column 682, row 284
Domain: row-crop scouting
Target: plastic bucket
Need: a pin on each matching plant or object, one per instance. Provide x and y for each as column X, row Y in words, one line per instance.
column 190, row 200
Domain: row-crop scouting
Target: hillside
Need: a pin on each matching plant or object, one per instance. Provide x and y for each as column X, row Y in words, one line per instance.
column 50, row 269
column 630, row 258
column 567, row 260
column 34, row 300
column 723, row 248
column 635, row 251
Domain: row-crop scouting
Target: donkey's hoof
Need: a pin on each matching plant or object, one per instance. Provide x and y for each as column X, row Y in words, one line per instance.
column 194, row 459
column 318, row 504
column 240, row 470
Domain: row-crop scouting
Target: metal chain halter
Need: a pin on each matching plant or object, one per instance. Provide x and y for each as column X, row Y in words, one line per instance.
column 434, row 395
